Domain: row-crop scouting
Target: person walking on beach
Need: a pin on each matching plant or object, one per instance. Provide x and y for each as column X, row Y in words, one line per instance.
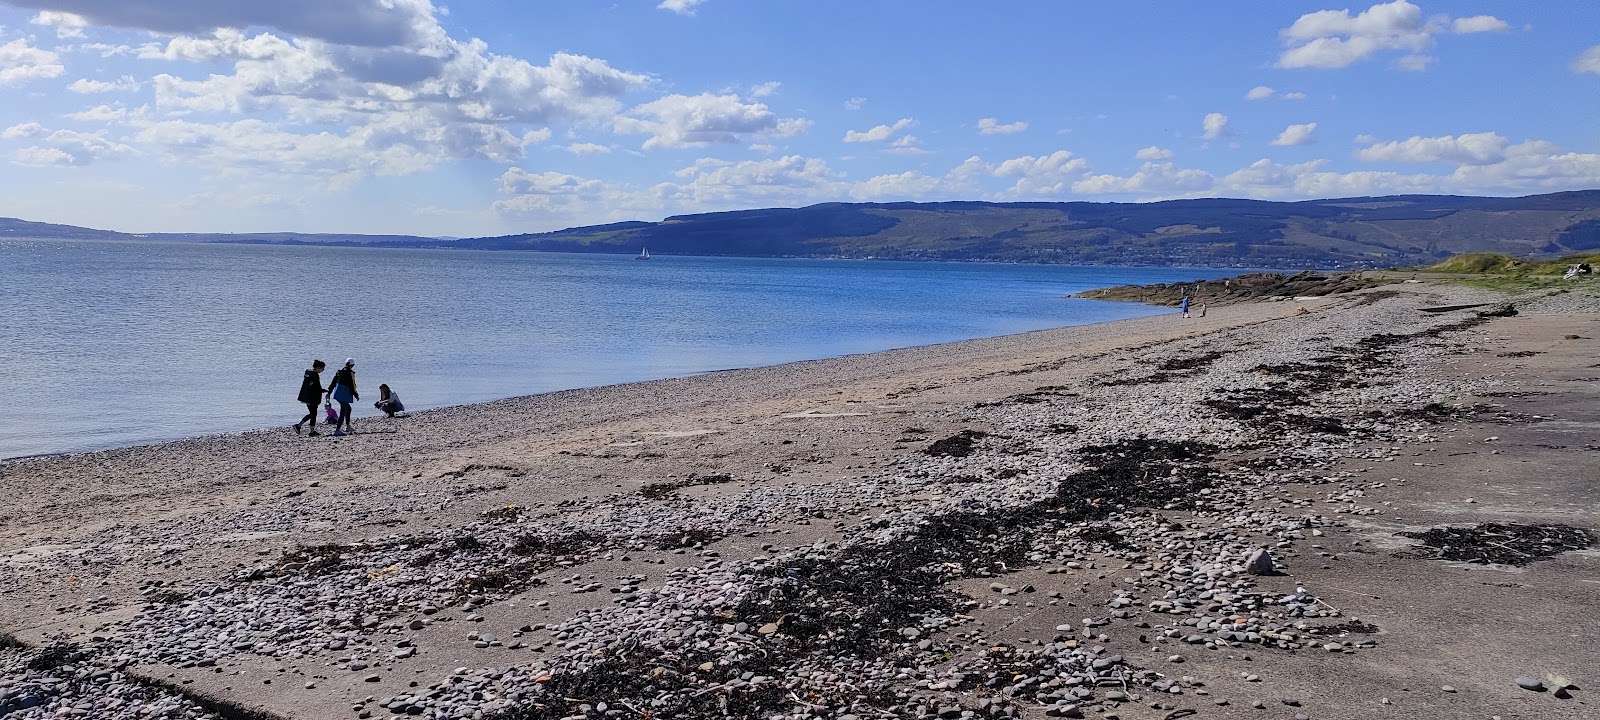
column 1202, row 309
column 311, row 393
column 388, row 401
column 344, row 392
column 1183, row 305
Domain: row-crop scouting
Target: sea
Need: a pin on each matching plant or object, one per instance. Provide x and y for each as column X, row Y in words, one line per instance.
column 113, row 343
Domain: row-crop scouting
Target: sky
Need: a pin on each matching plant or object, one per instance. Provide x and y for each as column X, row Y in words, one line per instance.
column 478, row 117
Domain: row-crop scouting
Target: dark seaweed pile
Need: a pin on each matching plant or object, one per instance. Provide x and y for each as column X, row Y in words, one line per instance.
column 1503, row 543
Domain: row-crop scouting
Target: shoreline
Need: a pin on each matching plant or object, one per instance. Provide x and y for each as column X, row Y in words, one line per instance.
column 462, row 407
column 1081, row 500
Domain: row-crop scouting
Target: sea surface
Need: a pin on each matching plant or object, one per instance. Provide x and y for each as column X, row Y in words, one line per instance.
column 112, row 343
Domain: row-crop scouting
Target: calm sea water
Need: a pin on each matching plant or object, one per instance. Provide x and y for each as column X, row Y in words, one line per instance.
column 104, row 344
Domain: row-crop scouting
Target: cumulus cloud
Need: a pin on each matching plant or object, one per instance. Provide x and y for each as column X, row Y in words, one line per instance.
column 681, row 7
column 67, row 25
column 1466, row 149
column 366, row 23
column 991, row 126
column 445, row 100
column 41, row 157
column 1152, row 178
column 21, row 62
column 855, row 103
column 23, row 130
column 686, row 121
column 1153, row 153
column 906, row 145
column 1215, row 125
column 765, row 89
column 1588, row 61
column 1262, row 92
column 1336, row 39
column 126, row 83
column 1043, row 176
column 1478, row 24
column 65, row 147
column 588, row 149
column 1299, row 134
column 101, row 114
column 878, row 133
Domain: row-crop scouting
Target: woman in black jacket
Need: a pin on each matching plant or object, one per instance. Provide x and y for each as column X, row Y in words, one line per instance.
column 311, row 393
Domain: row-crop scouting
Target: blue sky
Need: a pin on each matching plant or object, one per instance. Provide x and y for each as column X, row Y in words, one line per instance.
column 477, row 117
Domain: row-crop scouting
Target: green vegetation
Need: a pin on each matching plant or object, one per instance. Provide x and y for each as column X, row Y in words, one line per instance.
column 1498, row 271
column 1478, row 262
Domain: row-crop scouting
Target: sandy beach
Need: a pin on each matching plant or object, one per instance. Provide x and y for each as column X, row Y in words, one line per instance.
column 1065, row 523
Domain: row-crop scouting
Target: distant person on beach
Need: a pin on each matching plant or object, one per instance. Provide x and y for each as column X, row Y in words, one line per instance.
column 311, row 393
column 344, row 392
column 388, row 401
column 1183, row 305
column 1202, row 309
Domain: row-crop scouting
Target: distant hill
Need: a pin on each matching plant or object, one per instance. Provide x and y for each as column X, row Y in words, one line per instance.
column 1347, row 232
column 1398, row 230
column 14, row 227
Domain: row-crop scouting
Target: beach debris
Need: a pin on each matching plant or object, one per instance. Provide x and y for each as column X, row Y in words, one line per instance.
column 1502, row 543
column 960, row 444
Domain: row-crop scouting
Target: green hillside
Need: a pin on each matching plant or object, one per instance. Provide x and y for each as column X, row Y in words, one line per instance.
column 1351, row 232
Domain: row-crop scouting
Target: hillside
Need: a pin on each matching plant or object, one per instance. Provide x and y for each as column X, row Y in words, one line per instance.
column 1348, row 232
column 1400, row 230
column 14, row 227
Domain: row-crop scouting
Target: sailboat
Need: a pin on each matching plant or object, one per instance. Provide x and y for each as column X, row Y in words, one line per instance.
column 644, row 254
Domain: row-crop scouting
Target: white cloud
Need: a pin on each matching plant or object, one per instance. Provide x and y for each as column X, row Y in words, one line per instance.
column 1467, row 149
column 1336, row 39
column 588, row 149
column 757, row 183
column 878, row 133
column 1215, row 125
column 21, row 62
column 765, row 89
column 1588, row 61
column 1293, row 95
column 681, row 7
column 67, row 25
column 1259, row 92
column 363, row 23
column 906, row 145
column 1153, row 153
column 686, row 121
column 1044, row 176
column 855, row 103
column 24, row 130
column 1478, row 24
column 1152, row 178
column 101, row 114
column 41, row 157
column 1299, row 134
column 66, row 147
column 126, row 83
column 991, row 126
column 1415, row 63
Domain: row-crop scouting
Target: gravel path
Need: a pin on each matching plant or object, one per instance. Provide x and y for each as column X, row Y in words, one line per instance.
column 1058, row 524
